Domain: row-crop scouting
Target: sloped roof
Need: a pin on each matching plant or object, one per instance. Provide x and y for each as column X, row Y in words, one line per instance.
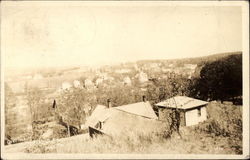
column 181, row 102
column 120, row 123
column 96, row 115
column 129, row 119
column 102, row 113
column 141, row 109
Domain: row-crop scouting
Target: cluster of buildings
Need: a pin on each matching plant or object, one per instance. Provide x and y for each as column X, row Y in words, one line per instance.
column 91, row 84
column 141, row 117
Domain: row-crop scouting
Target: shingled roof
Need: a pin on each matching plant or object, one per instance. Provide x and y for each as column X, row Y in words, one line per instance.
column 181, row 102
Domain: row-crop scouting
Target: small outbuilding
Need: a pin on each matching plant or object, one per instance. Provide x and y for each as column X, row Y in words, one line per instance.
column 192, row 111
column 126, row 119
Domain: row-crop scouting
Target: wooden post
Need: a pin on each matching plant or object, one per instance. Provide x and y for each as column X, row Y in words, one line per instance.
column 68, row 130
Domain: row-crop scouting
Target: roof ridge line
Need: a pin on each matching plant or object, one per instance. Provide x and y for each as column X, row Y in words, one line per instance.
column 130, row 104
column 133, row 113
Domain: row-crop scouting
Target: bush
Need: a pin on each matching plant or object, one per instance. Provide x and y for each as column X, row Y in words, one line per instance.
column 225, row 121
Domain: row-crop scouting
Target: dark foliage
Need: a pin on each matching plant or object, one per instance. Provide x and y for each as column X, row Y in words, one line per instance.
column 220, row 79
column 224, row 121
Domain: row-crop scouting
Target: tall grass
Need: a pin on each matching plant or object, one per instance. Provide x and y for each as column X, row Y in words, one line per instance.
column 190, row 143
column 132, row 143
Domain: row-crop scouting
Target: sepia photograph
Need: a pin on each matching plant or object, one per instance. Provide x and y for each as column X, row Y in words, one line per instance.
column 124, row 79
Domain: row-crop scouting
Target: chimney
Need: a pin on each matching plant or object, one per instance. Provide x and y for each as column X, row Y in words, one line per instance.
column 54, row 104
column 144, row 98
column 109, row 103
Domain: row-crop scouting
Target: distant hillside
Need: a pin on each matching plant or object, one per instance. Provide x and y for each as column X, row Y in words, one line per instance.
column 201, row 61
column 195, row 60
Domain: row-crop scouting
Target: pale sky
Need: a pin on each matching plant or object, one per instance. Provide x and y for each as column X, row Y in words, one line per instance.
column 36, row 35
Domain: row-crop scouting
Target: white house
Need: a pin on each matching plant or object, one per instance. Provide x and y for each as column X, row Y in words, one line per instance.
column 127, row 81
column 99, row 81
column 89, row 84
column 192, row 111
column 143, row 77
column 76, row 84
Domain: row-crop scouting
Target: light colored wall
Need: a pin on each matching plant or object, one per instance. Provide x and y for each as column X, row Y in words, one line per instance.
column 203, row 114
column 192, row 117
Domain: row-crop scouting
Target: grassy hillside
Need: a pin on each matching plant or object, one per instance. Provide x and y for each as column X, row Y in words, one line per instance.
column 220, row 134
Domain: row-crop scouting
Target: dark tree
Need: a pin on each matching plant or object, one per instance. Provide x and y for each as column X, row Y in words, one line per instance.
column 221, row 79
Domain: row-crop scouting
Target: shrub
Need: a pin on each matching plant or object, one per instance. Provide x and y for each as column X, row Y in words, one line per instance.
column 225, row 121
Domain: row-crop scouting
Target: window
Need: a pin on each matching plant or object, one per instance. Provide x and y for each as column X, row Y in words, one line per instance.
column 99, row 125
column 199, row 112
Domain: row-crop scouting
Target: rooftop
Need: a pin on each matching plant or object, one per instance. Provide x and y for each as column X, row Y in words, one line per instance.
column 181, row 102
column 96, row 115
column 102, row 113
column 120, row 120
column 141, row 109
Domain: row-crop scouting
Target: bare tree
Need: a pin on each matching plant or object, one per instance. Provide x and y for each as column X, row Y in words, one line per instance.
column 35, row 101
column 73, row 107
column 10, row 101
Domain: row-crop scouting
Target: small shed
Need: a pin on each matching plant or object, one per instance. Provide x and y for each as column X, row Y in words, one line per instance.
column 192, row 111
column 126, row 119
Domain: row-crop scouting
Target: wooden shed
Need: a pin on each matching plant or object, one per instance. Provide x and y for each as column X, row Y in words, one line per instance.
column 192, row 111
column 126, row 119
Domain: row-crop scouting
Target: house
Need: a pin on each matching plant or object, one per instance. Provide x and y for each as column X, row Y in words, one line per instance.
column 99, row 81
column 89, row 84
column 126, row 119
column 127, row 81
column 76, row 84
column 142, row 77
column 192, row 111
column 95, row 116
